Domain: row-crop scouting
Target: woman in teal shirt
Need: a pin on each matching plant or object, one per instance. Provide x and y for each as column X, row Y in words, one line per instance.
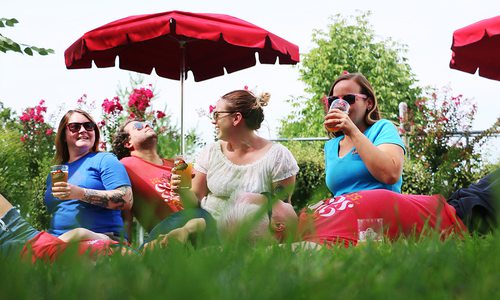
column 367, row 152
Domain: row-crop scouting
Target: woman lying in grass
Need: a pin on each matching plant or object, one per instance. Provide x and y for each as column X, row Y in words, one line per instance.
column 17, row 235
column 334, row 221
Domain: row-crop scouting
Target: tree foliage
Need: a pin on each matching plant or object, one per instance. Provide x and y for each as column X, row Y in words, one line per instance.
column 349, row 44
column 7, row 44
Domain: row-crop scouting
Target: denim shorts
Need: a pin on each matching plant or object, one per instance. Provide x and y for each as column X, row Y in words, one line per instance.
column 14, row 232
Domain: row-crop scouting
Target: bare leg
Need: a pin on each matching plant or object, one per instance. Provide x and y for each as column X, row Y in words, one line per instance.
column 180, row 234
column 5, row 205
column 81, row 234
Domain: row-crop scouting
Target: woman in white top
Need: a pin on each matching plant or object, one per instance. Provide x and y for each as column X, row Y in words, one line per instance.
column 240, row 161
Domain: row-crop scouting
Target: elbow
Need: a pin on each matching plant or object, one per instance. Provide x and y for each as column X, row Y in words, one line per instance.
column 390, row 180
column 128, row 199
column 392, row 173
column 127, row 206
column 391, row 177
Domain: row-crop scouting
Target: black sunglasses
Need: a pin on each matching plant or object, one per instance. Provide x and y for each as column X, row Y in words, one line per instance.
column 350, row 98
column 75, row 127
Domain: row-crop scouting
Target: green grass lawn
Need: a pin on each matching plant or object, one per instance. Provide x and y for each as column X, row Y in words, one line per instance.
column 406, row 269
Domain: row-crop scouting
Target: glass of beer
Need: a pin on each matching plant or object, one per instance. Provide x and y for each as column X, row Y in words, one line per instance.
column 59, row 173
column 185, row 170
column 339, row 104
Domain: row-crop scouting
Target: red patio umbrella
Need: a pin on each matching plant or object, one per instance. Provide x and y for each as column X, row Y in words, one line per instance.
column 176, row 42
column 477, row 46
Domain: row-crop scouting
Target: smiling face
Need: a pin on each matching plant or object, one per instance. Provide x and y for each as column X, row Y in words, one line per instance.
column 360, row 107
column 81, row 141
column 224, row 120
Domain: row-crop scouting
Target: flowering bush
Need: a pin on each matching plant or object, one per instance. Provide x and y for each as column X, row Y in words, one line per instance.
column 139, row 101
column 442, row 155
column 138, row 104
column 36, row 134
column 37, row 137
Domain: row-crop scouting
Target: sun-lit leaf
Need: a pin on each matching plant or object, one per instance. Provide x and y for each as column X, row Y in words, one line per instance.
column 28, row 51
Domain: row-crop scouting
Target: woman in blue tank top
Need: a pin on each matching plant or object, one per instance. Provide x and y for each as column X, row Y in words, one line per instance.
column 366, row 152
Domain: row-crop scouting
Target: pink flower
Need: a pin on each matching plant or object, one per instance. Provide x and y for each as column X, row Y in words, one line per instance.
column 140, row 99
column 23, row 138
column 82, row 99
column 49, row 131
column 160, row 114
column 345, row 72
column 112, row 106
column 246, row 88
column 25, row 117
column 211, row 109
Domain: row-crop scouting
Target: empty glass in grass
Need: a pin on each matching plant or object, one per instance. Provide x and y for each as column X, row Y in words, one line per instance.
column 371, row 229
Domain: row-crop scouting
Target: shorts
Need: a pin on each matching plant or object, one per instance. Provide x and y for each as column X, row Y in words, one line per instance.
column 15, row 232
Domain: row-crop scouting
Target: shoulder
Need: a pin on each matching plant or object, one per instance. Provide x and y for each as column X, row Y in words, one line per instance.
column 210, row 149
column 104, row 156
column 279, row 149
column 382, row 126
column 384, row 131
column 129, row 160
column 383, row 123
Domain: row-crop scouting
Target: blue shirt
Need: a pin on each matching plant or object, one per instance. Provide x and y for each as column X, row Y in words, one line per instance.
column 349, row 174
column 98, row 171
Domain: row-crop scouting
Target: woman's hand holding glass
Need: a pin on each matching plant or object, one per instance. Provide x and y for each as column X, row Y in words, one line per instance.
column 338, row 116
column 65, row 191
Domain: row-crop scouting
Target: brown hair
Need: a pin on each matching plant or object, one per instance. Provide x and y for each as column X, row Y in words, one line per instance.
column 373, row 115
column 120, row 138
column 248, row 105
column 62, row 152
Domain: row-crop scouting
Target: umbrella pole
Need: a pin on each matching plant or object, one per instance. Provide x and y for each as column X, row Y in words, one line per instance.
column 183, row 67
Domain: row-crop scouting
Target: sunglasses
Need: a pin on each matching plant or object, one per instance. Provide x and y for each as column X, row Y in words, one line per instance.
column 142, row 125
column 215, row 114
column 75, row 127
column 350, row 98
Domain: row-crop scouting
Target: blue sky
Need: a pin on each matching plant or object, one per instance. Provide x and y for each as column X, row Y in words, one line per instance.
column 425, row 26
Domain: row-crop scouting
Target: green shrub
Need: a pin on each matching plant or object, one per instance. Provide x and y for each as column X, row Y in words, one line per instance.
column 310, row 186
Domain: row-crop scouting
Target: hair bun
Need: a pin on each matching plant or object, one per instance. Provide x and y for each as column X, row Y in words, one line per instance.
column 263, row 99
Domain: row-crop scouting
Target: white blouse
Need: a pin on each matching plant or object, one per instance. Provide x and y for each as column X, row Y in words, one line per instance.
column 225, row 180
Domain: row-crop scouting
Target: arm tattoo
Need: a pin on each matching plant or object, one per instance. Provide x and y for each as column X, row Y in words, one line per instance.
column 120, row 198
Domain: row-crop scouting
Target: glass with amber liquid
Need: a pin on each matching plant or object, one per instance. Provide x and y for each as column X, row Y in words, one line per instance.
column 185, row 170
